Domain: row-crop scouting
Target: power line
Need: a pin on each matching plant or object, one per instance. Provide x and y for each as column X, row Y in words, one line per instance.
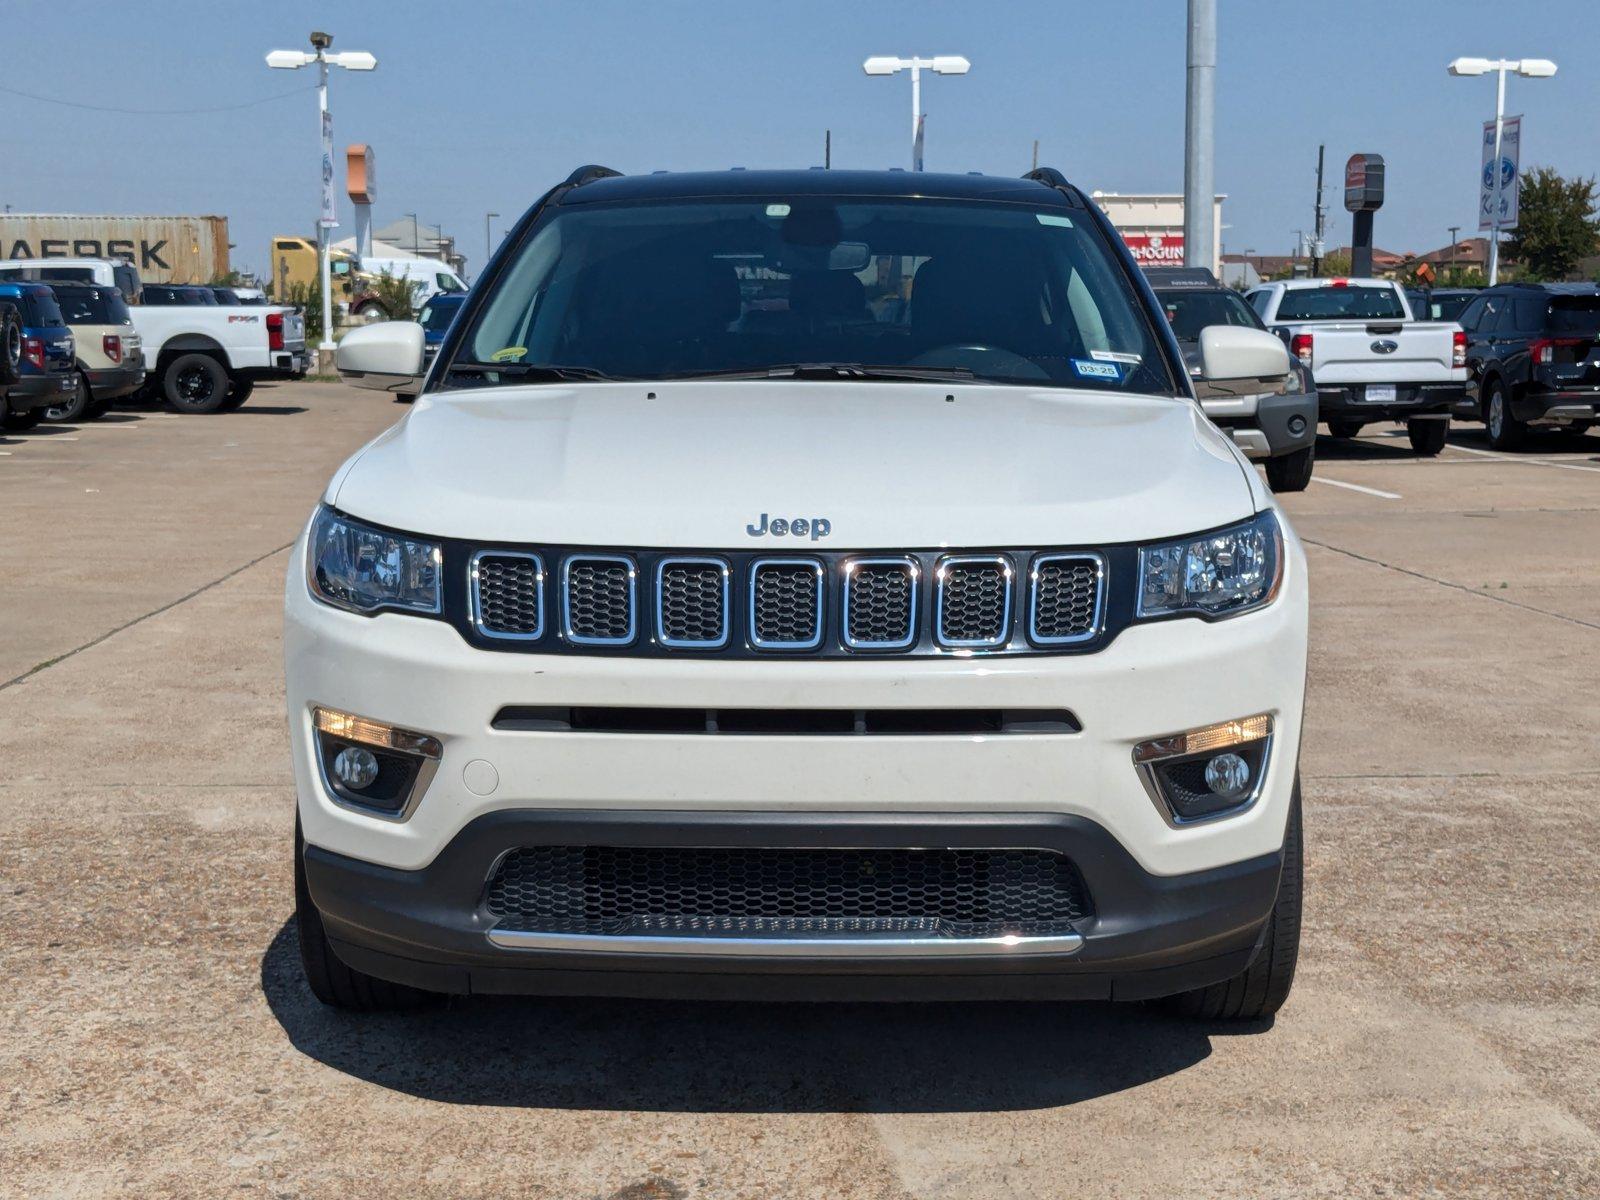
column 154, row 112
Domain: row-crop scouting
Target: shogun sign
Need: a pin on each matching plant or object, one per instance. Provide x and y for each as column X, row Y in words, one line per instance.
column 1156, row 249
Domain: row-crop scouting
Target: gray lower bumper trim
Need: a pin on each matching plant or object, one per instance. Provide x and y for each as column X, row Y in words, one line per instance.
column 886, row 946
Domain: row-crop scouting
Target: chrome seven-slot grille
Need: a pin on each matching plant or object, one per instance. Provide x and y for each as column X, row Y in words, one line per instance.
column 707, row 891
column 789, row 603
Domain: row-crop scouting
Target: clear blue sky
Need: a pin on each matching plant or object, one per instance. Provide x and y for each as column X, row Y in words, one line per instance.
column 480, row 106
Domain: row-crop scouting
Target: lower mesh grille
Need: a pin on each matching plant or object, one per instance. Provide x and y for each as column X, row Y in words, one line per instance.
column 621, row 890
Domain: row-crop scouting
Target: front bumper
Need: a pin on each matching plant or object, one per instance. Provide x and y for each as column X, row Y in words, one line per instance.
column 1174, row 905
column 1349, row 402
column 1274, row 425
column 286, row 364
column 108, row 383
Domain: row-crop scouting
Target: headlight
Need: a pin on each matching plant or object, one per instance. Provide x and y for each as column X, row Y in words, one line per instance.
column 364, row 570
column 1215, row 574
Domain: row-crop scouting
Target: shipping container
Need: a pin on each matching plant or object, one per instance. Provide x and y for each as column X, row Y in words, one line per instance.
column 164, row 249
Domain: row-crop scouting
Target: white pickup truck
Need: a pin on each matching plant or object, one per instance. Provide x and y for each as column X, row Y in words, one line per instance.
column 207, row 358
column 803, row 584
column 1371, row 359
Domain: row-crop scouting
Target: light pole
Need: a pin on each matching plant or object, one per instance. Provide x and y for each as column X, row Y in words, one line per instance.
column 488, row 249
column 943, row 64
column 350, row 60
column 1528, row 68
column 1455, row 240
column 416, row 241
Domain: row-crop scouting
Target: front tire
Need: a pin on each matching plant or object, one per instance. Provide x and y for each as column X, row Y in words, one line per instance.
column 331, row 981
column 1261, row 988
column 1505, row 431
column 1428, row 437
column 76, row 409
column 20, row 422
column 195, row 383
column 238, row 392
column 1344, row 429
column 1291, row 472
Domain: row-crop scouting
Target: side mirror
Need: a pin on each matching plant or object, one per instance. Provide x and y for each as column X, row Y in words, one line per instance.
column 1238, row 352
column 386, row 357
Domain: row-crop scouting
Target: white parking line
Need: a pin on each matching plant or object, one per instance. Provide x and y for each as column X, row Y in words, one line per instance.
column 1356, row 487
column 1517, row 458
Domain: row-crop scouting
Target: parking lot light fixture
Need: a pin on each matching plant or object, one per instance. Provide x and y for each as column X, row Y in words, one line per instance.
column 1528, row 68
column 350, row 60
column 941, row 64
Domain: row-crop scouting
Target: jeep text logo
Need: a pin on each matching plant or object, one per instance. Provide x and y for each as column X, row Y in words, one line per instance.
column 812, row 527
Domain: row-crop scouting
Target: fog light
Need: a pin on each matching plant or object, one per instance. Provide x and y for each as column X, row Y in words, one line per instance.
column 1228, row 776
column 356, row 767
column 1297, row 425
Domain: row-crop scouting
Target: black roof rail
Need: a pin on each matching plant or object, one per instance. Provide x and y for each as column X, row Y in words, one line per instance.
column 588, row 174
column 1048, row 176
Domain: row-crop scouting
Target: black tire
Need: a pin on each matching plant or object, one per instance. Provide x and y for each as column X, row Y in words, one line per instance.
column 75, row 409
column 194, row 383
column 1505, row 431
column 332, row 982
column 238, row 392
column 370, row 313
column 1428, row 437
column 1261, row 988
column 1291, row 472
column 19, row 422
column 1344, row 429
column 10, row 343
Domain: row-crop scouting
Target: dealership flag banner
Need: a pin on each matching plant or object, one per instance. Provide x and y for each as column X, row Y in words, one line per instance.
column 330, row 216
column 1510, row 175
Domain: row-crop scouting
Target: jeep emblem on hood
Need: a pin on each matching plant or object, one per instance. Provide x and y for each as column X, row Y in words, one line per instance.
column 812, row 527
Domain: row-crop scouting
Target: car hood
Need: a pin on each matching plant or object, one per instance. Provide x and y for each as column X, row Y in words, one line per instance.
column 885, row 465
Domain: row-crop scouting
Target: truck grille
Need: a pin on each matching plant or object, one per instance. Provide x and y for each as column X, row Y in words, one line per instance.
column 738, row 892
column 508, row 594
column 827, row 604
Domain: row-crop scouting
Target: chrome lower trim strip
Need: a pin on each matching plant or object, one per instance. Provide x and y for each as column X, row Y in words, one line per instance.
column 887, row 946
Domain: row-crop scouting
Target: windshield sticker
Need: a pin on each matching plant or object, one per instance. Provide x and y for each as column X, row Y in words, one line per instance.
column 1133, row 360
column 777, row 210
column 1097, row 370
column 509, row 354
column 1053, row 219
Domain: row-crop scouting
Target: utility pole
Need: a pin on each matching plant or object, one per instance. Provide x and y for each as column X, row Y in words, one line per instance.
column 827, row 149
column 1199, row 137
column 1035, row 154
column 1316, row 246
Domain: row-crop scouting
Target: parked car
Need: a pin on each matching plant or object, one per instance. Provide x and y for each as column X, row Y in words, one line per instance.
column 106, row 272
column 1275, row 421
column 1533, row 357
column 167, row 294
column 1371, row 359
column 249, row 296
column 435, row 319
column 662, row 651
column 46, row 370
column 205, row 357
column 110, row 362
column 10, row 350
column 1446, row 304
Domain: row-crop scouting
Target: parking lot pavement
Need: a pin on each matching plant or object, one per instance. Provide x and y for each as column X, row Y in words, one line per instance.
column 1443, row 1037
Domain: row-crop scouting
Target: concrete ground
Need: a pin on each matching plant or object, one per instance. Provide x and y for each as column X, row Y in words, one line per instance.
column 1443, row 1038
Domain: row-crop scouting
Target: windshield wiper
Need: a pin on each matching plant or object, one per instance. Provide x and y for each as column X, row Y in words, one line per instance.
column 832, row 371
column 521, row 371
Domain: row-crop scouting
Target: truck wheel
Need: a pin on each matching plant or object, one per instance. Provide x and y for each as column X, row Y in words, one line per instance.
column 370, row 313
column 238, row 392
column 1344, row 429
column 76, row 409
column 1427, row 437
column 1261, row 988
column 332, row 982
column 1505, row 431
column 10, row 344
column 19, row 422
column 195, row 383
column 1291, row 472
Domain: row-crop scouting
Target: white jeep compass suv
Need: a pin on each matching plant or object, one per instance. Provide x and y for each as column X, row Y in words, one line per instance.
column 811, row 584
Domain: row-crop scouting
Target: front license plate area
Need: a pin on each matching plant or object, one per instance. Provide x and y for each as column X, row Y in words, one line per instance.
column 1380, row 393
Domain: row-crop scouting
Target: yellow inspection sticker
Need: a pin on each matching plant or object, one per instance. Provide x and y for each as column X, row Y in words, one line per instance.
column 509, row 354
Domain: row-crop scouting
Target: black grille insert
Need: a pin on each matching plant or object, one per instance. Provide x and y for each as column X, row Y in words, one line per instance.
column 598, row 600
column 704, row 891
column 974, row 601
column 1065, row 598
column 880, row 603
column 692, row 602
column 508, row 599
column 786, row 604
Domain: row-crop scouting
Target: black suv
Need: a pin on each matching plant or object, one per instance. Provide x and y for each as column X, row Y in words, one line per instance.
column 1533, row 358
column 1279, row 424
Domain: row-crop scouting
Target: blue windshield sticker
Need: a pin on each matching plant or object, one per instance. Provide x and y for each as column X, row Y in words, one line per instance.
column 1097, row 370
column 1053, row 219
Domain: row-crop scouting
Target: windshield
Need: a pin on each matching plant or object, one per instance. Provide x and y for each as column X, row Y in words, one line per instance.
column 658, row 290
column 1332, row 302
column 1574, row 314
column 39, row 309
column 1448, row 308
column 92, row 306
column 1191, row 311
